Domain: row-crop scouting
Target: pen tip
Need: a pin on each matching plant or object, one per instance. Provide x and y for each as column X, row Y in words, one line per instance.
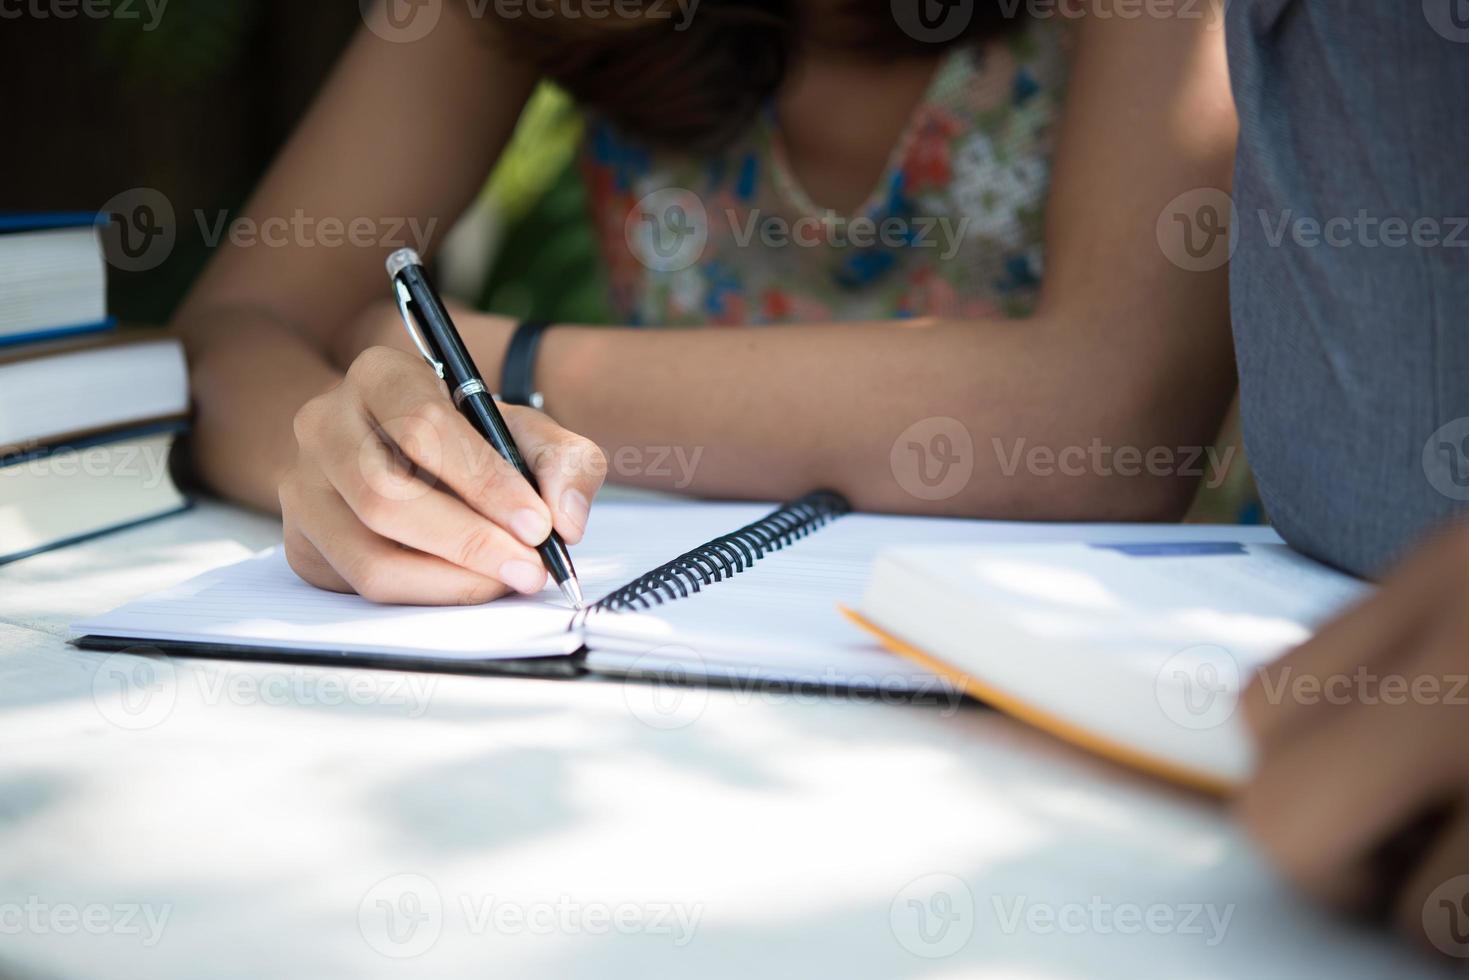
column 572, row 590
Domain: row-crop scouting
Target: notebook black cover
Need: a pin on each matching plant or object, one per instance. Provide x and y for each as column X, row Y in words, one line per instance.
column 555, row 667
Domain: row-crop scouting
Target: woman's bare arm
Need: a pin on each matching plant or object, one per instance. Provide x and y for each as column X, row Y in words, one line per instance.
column 392, row 151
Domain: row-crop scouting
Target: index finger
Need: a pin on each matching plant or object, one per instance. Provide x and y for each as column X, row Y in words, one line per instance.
column 412, row 408
column 569, row 468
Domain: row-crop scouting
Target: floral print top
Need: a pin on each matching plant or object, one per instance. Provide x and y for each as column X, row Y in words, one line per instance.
column 953, row 229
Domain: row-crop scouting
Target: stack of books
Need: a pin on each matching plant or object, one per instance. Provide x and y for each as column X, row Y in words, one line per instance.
column 88, row 412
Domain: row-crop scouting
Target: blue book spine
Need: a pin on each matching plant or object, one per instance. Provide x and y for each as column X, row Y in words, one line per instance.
column 49, row 221
column 59, row 333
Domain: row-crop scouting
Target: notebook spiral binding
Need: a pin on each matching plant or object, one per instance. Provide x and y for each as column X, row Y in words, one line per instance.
column 727, row 555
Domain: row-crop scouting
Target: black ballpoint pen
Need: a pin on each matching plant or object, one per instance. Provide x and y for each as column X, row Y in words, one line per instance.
column 436, row 338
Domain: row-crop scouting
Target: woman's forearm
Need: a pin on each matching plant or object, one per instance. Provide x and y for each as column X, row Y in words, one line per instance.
column 930, row 417
column 977, row 418
column 250, row 374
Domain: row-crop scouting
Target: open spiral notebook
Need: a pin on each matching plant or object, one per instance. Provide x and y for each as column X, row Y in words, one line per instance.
column 694, row 590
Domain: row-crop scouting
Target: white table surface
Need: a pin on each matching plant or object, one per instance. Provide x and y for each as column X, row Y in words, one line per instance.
column 188, row 818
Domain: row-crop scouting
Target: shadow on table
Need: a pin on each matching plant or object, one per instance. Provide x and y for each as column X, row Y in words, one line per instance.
column 9, row 972
column 27, row 796
column 498, row 779
column 1082, row 846
column 503, row 798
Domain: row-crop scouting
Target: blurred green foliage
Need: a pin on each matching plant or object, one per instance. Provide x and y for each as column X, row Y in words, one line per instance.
column 548, row 265
column 197, row 41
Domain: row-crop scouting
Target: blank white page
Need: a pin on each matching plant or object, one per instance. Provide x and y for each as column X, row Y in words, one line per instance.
column 262, row 603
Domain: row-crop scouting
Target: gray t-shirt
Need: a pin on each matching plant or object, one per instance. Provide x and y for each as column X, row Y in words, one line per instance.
column 1351, row 329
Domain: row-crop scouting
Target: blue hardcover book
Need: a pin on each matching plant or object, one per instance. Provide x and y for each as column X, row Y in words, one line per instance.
column 53, row 276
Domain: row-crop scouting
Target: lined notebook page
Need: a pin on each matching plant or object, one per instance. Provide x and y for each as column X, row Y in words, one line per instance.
column 778, row 621
column 261, row 603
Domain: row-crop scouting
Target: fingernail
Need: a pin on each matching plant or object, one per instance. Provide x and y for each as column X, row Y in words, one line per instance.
column 530, row 526
column 522, row 576
column 575, row 507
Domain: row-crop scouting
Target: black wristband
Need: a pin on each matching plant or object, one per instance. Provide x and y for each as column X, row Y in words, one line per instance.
column 518, row 375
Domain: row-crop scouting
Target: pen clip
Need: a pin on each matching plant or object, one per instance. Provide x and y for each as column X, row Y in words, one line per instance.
column 401, row 292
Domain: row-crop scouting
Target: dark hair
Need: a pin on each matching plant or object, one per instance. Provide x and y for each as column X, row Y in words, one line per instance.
column 695, row 84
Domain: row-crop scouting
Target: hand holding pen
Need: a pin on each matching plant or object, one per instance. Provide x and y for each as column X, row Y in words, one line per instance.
column 437, row 339
column 397, row 496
